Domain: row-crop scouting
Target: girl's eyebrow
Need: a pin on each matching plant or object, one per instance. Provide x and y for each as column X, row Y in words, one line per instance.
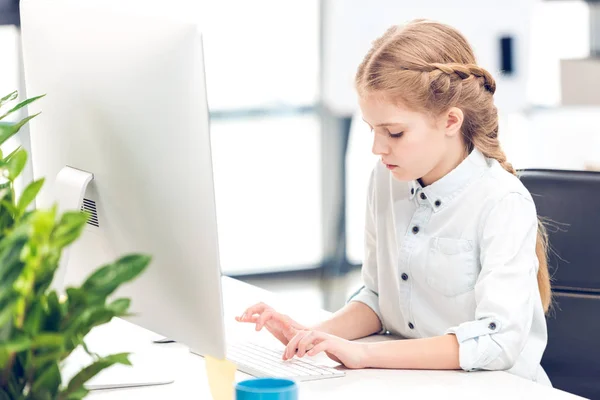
column 385, row 124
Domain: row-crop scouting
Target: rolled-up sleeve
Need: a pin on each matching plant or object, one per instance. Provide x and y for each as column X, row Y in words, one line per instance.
column 369, row 293
column 506, row 291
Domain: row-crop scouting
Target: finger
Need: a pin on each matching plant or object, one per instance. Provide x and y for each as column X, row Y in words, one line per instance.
column 283, row 325
column 290, row 350
column 263, row 318
column 248, row 319
column 325, row 345
column 289, row 331
column 255, row 309
column 308, row 342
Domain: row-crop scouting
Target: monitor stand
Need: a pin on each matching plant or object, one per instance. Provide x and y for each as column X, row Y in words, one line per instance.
column 69, row 190
column 152, row 364
column 150, row 367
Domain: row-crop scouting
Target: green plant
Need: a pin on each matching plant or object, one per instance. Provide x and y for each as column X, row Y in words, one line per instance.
column 39, row 328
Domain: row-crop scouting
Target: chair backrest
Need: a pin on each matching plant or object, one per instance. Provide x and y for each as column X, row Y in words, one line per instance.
column 9, row 12
column 570, row 203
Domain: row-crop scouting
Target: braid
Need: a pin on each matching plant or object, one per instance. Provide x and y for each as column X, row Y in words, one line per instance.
column 489, row 145
column 500, row 156
column 464, row 71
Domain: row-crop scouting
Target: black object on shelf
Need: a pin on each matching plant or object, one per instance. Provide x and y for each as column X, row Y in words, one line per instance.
column 507, row 55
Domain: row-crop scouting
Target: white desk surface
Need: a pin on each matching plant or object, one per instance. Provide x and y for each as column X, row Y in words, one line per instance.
column 191, row 382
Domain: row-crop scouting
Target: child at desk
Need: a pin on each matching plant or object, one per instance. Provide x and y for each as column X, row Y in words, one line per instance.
column 455, row 257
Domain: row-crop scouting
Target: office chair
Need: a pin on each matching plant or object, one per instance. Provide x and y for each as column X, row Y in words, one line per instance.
column 570, row 200
column 9, row 12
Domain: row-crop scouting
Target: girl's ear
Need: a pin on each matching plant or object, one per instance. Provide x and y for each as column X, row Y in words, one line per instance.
column 453, row 120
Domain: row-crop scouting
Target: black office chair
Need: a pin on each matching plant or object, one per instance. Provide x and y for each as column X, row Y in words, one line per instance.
column 571, row 202
column 9, row 12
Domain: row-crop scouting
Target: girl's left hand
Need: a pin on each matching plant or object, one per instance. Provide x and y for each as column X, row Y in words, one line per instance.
column 351, row 354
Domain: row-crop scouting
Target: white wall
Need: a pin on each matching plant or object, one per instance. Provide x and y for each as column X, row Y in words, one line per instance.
column 351, row 26
column 559, row 30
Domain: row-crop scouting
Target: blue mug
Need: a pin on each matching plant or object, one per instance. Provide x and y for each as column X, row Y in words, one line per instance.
column 266, row 389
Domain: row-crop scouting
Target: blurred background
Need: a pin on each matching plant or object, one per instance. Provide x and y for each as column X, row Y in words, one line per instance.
column 291, row 161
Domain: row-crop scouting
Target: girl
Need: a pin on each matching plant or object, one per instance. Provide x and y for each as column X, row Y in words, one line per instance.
column 455, row 258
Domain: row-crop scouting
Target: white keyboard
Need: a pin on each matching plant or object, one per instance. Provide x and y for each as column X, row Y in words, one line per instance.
column 260, row 361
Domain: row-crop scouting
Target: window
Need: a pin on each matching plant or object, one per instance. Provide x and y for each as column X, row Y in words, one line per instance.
column 267, row 183
column 262, row 71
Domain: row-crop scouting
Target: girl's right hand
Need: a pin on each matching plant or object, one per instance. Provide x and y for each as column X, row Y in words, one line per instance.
column 279, row 325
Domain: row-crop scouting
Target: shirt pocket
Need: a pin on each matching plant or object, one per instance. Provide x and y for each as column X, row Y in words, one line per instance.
column 452, row 266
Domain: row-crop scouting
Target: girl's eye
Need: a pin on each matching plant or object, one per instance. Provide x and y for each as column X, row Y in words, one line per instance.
column 395, row 135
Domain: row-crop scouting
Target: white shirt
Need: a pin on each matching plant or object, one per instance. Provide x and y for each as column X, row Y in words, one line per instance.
column 458, row 256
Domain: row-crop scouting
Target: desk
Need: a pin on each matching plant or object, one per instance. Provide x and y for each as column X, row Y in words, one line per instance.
column 191, row 380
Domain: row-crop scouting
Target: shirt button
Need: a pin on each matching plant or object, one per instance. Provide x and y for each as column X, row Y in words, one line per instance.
column 404, row 277
column 492, row 326
column 438, row 203
column 423, row 196
column 411, row 326
column 415, row 229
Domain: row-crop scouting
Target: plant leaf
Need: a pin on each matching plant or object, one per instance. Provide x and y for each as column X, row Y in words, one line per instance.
column 6, row 328
column 9, row 130
column 29, row 194
column 54, row 315
column 69, row 228
column 34, row 318
column 47, row 340
column 16, row 344
column 76, row 298
column 9, row 97
column 106, row 279
column 41, row 360
column 78, row 381
column 8, row 157
column 6, row 194
column 15, row 164
column 10, row 207
column 11, row 265
column 48, row 379
column 16, row 386
column 82, row 323
column 120, row 306
column 78, row 394
column 21, row 105
column 6, row 312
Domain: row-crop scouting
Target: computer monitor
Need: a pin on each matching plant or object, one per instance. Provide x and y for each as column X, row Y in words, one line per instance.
column 124, row 133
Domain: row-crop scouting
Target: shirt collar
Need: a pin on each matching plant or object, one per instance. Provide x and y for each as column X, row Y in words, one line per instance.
column 441, row 192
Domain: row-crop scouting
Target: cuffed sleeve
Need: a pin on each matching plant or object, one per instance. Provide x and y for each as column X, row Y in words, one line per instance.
column 506, row 292
column 369, row 293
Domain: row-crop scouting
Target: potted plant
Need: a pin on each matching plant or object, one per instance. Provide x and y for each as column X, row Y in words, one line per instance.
column 39, row 327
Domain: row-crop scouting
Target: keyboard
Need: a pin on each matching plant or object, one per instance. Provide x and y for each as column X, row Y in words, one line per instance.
column 260, row 361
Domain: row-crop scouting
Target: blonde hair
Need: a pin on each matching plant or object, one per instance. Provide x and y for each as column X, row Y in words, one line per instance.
column 430, row 67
